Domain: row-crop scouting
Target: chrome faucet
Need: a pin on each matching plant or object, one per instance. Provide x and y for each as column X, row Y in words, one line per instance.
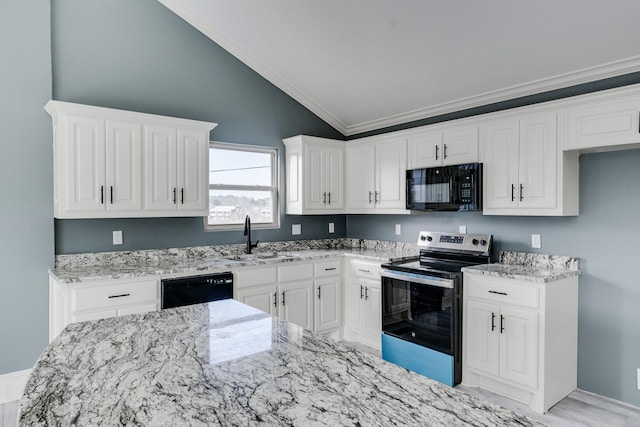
column 247, row 232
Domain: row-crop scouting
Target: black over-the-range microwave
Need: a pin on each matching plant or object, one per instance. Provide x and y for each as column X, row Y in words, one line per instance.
column 445, row 188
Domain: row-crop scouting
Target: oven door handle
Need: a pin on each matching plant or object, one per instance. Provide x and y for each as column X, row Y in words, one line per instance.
column 423, row 280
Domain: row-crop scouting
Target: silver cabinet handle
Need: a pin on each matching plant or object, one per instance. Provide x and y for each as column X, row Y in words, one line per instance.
column 282, row 297
column 499, row 293
column 364, row 271
column 366, row 293
column 102, row 194
column 521, row 188
column 182, row 196
column 370, row 195
column 436, row 152
column 174, row 195
column 329, row 197
column 324, row 198
column 119, row 296
column 444, row 151
column 501, row 323
column 329, row 269
column 376, row 198
column 361, row 291
column 111, row 193
column 318, row 292
column 493, row 321
column 513, row 188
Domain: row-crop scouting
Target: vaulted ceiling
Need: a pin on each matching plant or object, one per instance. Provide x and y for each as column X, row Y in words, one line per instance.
column 366, row 64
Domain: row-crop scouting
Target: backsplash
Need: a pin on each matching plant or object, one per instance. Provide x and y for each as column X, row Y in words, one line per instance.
column 539, row 260
column 156, row 255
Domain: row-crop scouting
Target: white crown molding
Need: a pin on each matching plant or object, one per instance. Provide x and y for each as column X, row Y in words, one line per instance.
column 599, row 72
column 586, row 75
column 177, row 7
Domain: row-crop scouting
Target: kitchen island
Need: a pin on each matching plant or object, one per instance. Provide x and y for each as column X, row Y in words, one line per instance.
column 225, row 363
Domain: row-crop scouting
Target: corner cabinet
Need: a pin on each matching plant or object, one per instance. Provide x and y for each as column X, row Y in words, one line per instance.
column 120, row 164
column 375, row 176
column 520, row 338
column 525, row 170
column 315, row 175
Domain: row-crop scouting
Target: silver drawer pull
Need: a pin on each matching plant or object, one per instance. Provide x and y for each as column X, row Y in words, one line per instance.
column 119, row 296
column 499, row 293
column 329, row 269
column 364, row 271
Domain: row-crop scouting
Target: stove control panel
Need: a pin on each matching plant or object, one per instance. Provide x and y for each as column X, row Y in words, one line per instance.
column 477, row 243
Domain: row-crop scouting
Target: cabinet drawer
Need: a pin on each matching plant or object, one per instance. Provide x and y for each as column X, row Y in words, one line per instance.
column 328, row 268
column 365, row 269
column 288, row 273
column 503, row 292
column 107, row 296
column 255, row 276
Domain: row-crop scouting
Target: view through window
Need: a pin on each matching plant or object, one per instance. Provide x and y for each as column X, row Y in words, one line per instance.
column 242, row 181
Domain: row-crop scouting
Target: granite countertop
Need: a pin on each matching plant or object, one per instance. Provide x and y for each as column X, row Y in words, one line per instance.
column 164, row 263
column 528, row 266
column 225, row 363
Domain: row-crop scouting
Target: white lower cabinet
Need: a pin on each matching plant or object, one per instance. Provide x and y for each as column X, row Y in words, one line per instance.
column 306, row 294
column 520, row 338
column 84, row 301
column 363, row 302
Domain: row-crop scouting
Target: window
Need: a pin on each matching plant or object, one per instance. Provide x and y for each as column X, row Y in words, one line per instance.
column 242, row 181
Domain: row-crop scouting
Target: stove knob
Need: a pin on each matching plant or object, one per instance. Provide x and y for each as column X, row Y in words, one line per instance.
column 475, row 242
column 483, row 242
column 429, row 238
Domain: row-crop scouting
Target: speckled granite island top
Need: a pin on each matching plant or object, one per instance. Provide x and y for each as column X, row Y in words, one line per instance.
column 225, row 363
column 166, row 262
column 528, row 266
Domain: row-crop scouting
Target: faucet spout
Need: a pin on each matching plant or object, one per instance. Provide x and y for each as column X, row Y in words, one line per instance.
column 247, row 232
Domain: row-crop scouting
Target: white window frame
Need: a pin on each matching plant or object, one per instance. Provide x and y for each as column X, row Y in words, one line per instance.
column 273, row 151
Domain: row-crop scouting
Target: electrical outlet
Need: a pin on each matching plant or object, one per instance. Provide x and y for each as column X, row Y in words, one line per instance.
column 536, row 243
column 462, row 229
column 117, row 237
column 296, row 229
column 331, row 228
column 398, row 229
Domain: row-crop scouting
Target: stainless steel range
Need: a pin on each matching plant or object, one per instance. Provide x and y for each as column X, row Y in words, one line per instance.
column 422, row 304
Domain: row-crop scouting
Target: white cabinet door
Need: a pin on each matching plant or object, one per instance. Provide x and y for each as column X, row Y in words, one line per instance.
column 482, row 336
column 123, row 166
column 373, row 308
column 360, row 176
column 334, row 177
column 192, row 174
column 390, row 171
column 460, row 145
column 500, row 163
column 160, row 168
column 355, row 315
column 296, row 303
column 425, row 150
column 519, row 346
column 314, row 167
column 327, row 307
column 260, row 297
column 83, row 165
column 537, row 167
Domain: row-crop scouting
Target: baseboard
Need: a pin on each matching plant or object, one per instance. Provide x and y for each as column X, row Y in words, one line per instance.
column 12, row 385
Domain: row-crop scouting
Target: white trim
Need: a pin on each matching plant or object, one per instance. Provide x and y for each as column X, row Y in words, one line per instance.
column 590, row 74
column 12, row 385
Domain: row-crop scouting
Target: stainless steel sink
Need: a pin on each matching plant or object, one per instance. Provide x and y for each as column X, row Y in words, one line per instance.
column 256, row 256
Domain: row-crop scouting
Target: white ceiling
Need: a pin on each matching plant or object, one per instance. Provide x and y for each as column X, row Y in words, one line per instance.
column 366, row 64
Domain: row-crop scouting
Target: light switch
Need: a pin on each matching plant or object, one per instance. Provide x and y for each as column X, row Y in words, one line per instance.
column 398, row 229
column 117, row 237
column 535, row 241
column 331, row 228
column 296, row 229
column 462, row 229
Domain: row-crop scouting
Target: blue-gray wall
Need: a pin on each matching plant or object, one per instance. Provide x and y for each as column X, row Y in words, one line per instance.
column 604, row 236
column 139, row 56
column 26, row 193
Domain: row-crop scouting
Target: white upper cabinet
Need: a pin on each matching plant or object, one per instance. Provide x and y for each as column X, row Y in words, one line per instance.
column 99, row 154
column 453, row 146
column 604, row 125
column 315, row 175
column 375, row 177
column 524, row 168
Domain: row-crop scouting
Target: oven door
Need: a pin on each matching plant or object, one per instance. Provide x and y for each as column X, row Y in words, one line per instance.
column 421, row 309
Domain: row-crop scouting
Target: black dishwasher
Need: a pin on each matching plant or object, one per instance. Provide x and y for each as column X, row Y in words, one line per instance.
column 196, row 289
